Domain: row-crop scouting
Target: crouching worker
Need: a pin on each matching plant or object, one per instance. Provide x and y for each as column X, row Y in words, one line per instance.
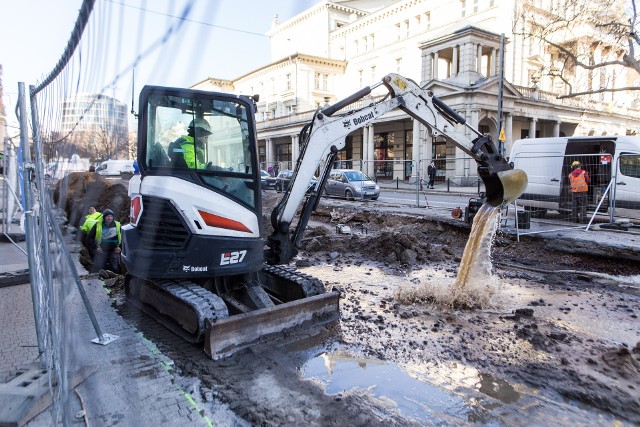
column 104, row 243
column 89, row 221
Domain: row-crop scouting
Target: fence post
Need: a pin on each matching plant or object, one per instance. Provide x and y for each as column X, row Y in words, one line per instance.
column 478, row 186
column 397, row 183
column 448, row 184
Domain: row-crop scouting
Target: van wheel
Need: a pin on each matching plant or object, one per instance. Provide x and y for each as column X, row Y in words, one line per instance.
column 348, row 194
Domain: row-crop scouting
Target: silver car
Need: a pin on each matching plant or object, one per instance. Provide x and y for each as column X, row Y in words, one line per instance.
column 351, row 184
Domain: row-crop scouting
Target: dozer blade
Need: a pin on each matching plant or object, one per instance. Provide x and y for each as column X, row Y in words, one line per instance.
column 224, row 337
column 505, row 187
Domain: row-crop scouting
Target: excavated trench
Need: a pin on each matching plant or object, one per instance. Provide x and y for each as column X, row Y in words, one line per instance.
column 559, row 343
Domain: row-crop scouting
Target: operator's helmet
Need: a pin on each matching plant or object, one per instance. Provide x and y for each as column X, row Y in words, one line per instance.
column 575, row 164
column 199, row 127
column 107, row 212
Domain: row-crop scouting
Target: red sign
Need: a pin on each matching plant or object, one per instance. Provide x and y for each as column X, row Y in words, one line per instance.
column 605, row 159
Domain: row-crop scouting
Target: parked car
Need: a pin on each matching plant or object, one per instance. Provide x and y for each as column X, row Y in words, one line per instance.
column 351, row 184
column 284, row 178
column 267, row 180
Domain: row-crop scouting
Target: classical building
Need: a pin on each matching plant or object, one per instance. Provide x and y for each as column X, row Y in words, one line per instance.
column 452, row 47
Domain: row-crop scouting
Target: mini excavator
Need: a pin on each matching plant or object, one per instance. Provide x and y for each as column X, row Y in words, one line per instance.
column 194, row 252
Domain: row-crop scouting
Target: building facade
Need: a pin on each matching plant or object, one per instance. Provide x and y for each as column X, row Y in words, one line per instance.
column 452, row 47
column 93, row 126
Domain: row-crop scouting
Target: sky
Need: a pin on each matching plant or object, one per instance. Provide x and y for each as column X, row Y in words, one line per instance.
column 217, row 38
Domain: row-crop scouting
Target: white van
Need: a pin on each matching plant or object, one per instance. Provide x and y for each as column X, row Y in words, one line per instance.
column 115, row 167
column 547, row 163
column 59, row 168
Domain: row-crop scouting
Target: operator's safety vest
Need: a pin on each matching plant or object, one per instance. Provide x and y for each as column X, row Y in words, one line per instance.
column 189, row 153
column 99, row 233
column 578, row 183
column 90, row 220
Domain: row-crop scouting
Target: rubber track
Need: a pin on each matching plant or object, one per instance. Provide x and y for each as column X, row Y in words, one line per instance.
column 309, row 284
column 203, row 302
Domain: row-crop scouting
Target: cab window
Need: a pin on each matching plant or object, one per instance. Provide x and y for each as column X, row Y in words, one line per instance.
column 204, row 135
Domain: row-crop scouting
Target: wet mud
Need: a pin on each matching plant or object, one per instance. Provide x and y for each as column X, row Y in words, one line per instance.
column 559, row 343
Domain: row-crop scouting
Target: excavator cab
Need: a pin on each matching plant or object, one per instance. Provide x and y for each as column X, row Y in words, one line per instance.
column 209, row 139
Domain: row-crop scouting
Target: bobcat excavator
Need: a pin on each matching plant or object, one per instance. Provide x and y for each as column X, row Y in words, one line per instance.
column 195, row 254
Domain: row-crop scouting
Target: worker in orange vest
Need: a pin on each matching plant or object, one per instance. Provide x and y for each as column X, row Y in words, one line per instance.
column 579, row 181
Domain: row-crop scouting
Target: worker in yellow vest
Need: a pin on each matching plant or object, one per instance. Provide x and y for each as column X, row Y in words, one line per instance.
column 188, row 151
column 90, row 220
column 579, row 181
column 104, row 243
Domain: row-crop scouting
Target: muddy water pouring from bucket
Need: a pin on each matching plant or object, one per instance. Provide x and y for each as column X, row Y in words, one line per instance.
column 476, row 260
column 474, row 286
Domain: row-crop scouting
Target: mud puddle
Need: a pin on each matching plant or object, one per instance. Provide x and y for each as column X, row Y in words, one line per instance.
column 414, row 397
column 455, row 393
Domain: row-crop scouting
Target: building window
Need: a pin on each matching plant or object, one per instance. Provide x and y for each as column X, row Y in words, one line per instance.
column 357, row 47
column 418, row 21
column 398, row 31
column 463, row 7
column 288, row 81
column 406, row 28
column 382, row 153
column 372, row 38
column 366, row 44
column 360, row 77
column 475, row 6
column 398, row 65
column 373, row 73
column 321, row 81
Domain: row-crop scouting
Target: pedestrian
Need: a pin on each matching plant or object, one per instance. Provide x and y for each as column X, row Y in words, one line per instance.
column 270, row 171
column 579, row 181
column 104, row 243
column 88, row 222
column 276, row 169
column 431, row 172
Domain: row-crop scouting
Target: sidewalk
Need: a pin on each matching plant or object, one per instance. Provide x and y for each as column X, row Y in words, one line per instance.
column 438, row 187
column 127, row 382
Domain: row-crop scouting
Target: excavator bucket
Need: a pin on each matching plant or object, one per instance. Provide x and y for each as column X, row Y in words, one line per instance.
column 306, row 317
column 504, row 187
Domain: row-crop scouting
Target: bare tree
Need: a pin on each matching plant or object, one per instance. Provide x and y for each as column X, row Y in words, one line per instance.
column 590, row 46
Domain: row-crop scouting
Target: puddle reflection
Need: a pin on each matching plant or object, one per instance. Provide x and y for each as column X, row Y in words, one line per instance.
column 415, row 397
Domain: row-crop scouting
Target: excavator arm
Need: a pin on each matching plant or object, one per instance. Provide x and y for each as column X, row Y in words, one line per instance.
column 324, row 136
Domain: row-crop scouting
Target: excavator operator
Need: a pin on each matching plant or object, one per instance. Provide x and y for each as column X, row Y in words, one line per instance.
column 188, row 151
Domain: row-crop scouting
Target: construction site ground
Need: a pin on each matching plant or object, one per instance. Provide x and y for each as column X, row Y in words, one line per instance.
column 557, row 341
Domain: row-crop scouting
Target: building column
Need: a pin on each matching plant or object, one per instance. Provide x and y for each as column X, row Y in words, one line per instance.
column 295, row 148
column 427, row 70
column 365, row 147
column 479, row 59
column 493, row 70
column 370, row 150
column 417, row 149
column 508, row 132
column 435, row 65
column 532, row 127
column 556, row 128
column 270, row 152
column 454, row 64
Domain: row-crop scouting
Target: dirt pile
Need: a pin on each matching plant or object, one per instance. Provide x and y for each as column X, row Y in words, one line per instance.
column 76, row 192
